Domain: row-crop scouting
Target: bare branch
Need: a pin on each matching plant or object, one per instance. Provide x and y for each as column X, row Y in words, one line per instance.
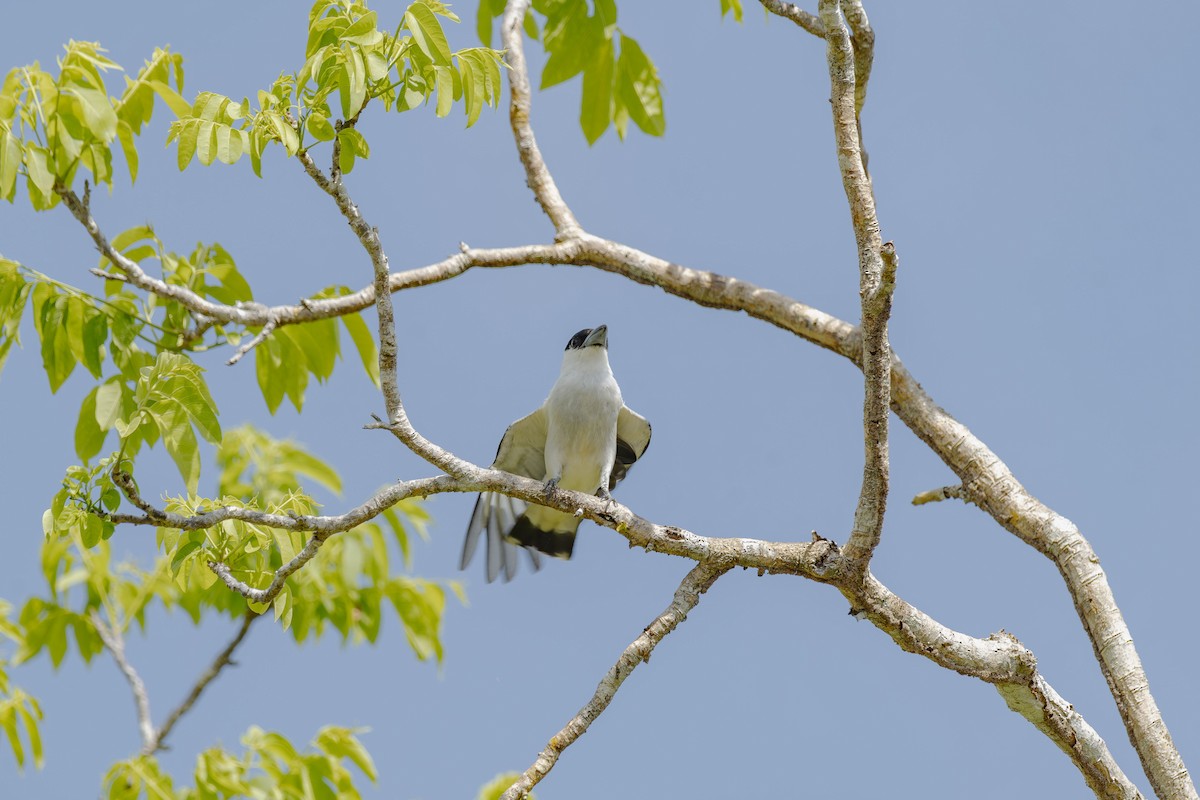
column 1052, row 715
column 223, row 659
column 124, row 481
column 863, row 38
column 368, row 236
column 537, row 176
column 253, row 343
column 875, row 289
column 695, row 583
column 1000, row 660
column 944, row 493
column 115, row 644
column 807, row 21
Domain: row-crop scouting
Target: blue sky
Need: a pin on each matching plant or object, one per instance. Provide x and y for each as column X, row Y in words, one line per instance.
column 1032, row 167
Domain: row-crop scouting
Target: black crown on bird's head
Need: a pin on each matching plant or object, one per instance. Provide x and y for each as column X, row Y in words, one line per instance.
column 589, row 337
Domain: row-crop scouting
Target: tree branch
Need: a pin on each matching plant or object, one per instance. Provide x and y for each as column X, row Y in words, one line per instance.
column 368, row 236
column 115, row 644
column 807, row 21
column 695, row 583
column 943, row 493
column 875, row 289
column 537, row 176
column 266, row 331
column 223, row 659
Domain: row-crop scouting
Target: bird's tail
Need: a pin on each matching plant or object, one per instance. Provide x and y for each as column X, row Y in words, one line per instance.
column 557, row 543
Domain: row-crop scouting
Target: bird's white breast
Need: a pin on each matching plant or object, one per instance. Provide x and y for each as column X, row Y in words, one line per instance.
column 582, row 420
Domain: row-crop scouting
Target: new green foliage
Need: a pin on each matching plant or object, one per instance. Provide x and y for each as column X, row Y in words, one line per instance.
column 20, row 713
column 620, row 83
column 349, row 62
column 53, row 124
column 270, row 766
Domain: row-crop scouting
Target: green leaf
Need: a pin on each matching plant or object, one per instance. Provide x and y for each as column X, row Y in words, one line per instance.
column 732, row 5
column 180, row 442
column 445, row 86
column 267, row 363
column 474, row 85
column 319, row 341
column 230, row 144
column 427, row 33
column 562, row 65
column 108, row 404
column 186, row 132
column 341, row 743
column 363, row 31
column 639, row 88
column 356, row 77
column 596, row 111
column 285, row 132
column 10, row 160
column 30, row 713
column 318, row 125
column 206, row 142
column 89, row 437
column 364, row 342
column 98, row 113
column 174, row 101
column 125, row 135
column 352, row 145
column 49, row 310
column 37, row 168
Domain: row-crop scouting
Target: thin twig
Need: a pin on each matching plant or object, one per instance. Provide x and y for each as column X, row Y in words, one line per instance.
column 115, row 644
column 695, row 583
column 253, row 343
column 807, row 21
column 956, row 492
column 863, row 38
column 540, row 181
column 223, row 659
column 368, row 236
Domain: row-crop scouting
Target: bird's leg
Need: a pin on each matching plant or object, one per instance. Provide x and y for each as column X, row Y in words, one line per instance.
column 551, row 487
column 603, row 494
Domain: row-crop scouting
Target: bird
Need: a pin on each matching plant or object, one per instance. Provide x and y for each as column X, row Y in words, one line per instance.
column 583, row 438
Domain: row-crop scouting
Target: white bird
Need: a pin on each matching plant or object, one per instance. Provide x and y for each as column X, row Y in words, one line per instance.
column 583, row 438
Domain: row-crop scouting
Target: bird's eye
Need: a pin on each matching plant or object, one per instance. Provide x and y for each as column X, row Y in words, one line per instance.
column 578, row 339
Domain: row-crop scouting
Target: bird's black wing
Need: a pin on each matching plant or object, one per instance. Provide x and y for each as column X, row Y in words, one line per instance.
column 522, row 451
column 633, row 437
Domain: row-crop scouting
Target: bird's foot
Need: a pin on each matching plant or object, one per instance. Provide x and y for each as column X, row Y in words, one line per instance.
column 551, row 487
column 603, row 494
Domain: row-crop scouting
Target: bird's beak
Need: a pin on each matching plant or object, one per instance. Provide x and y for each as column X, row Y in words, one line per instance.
column 597, row 336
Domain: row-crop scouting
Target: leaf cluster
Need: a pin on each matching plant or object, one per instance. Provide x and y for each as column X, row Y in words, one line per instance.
column 620, row 82
column 51, row 125
column 269, row 768
column 19, row 711
column 349, row 62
